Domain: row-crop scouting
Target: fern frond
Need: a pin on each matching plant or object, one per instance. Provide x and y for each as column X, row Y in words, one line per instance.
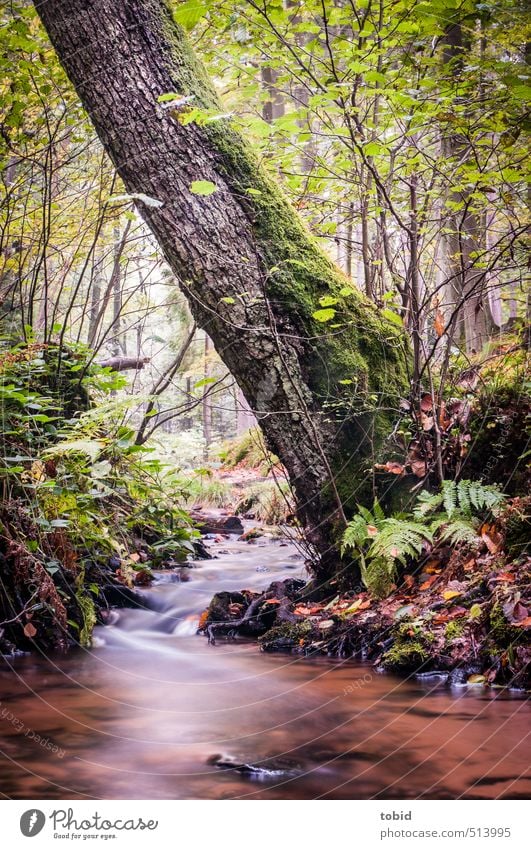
column 426, row 502
column 355, row 533
column 463, row 494
column 367, row 515
column 449, row 495
column 459, row 531
column 378, row 513
column 398, row 539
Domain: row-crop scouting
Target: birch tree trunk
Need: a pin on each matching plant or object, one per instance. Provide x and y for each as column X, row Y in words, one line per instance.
column 324, row 393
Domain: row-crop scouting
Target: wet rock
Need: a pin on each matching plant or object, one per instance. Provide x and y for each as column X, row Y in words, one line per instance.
column 252, row 534
column 260, row 771
column 226, row 606
column 285, row 637
column 201, row 552
column 117, row 595
column 228, row 525
column 434, row 675
column 458, row 677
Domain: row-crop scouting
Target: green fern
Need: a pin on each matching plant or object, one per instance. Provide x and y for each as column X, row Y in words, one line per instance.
column 427, row 502
column 381, row 544
column 463, row 494
column 449, row 496
column 356, row 533
column 458, row 531
column 467, row 497
column 398, row 539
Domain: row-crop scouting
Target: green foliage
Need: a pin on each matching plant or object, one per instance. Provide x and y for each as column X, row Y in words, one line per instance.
column 199, row 487
column 269, row 501
column 382, row 543
column 250, row 450
column 77, row 490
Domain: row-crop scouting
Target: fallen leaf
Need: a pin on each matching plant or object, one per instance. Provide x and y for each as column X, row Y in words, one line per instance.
column 429, row 582
column 30, row 630
column 372, row 530
column 418, row 467
column 326, row 624
column 441, row 619
column 405, row 610
column 493, row 543
column 519, row 612
column 272, row 601
column 525, row 623
column 476, row 679
column 505, row 576
column 426, row 402
column 475, row 611
column 449, row 594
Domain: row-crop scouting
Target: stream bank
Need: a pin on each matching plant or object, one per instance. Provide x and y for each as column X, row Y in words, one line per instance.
column 152, row 711
column 464, row 617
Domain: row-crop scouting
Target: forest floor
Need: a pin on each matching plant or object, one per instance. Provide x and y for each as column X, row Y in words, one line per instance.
column 462, row 612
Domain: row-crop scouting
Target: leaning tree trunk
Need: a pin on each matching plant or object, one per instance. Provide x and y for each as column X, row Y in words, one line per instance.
column 323, row 392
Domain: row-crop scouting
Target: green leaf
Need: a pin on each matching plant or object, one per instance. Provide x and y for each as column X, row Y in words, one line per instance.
column 204, row 382
column 393, row 317
column 190, row 13
column 203, row 187
column 324, row 315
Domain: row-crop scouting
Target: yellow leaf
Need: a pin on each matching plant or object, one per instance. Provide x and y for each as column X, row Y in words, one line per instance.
column 450, row 594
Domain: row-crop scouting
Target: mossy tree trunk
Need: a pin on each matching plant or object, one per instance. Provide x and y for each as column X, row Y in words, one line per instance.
column 324, row 393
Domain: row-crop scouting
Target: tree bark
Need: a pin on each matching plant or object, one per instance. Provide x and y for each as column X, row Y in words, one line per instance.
column 252, row 274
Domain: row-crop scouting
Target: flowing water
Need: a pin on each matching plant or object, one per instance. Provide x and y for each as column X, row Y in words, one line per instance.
column 144, row 713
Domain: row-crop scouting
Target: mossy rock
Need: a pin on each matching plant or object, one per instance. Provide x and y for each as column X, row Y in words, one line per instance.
column 285, row 637
column 219, row 607
column 405, row 655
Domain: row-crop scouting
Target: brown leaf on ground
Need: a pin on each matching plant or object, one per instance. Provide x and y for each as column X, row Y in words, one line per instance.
column 505, row 577
column 30, row 630
column 418, row 467
column 492, row 540
column 428, row 583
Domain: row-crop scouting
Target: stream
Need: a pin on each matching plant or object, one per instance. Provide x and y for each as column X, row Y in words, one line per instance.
column 149, row 711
